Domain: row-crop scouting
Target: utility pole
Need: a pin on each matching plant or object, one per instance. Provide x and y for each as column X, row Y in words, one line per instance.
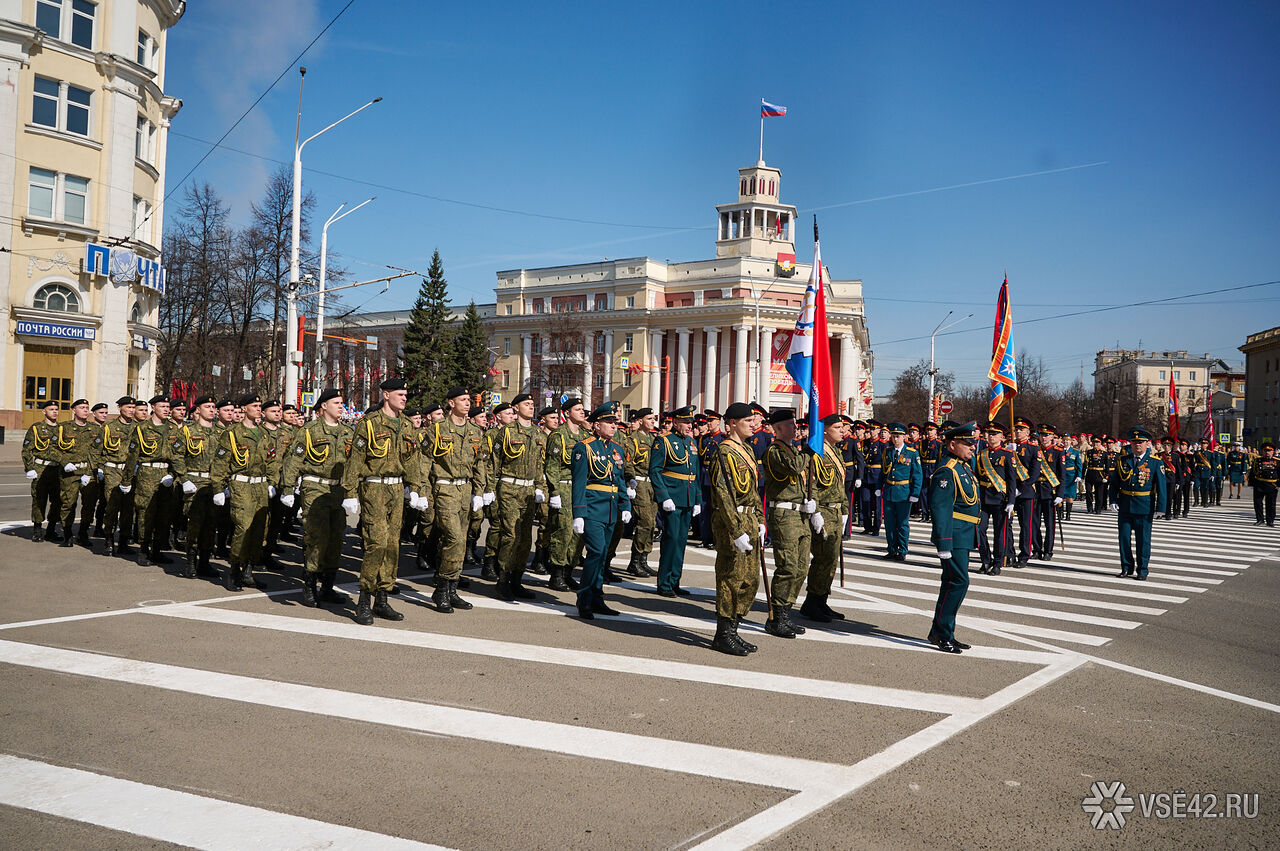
column 928, row 417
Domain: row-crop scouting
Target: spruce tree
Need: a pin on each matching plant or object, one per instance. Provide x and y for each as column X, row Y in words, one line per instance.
column 469, row 363
column 428, row 339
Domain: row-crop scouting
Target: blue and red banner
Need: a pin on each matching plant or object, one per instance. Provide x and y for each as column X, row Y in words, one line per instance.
column 1004, row 361
column 809, row 360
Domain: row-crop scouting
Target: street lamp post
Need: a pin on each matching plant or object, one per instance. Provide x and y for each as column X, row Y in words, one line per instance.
column 928, row 417
column 291, row 296
column 317, row 375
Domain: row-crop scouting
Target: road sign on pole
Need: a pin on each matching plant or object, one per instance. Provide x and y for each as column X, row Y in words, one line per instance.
column 308, row 400
column 945, row 407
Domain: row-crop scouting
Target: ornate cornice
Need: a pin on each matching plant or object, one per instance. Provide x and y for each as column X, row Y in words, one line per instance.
column 19, row 41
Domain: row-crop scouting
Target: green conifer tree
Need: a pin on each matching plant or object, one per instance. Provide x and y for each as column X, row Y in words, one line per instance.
column 469, row 363
column 428, row 340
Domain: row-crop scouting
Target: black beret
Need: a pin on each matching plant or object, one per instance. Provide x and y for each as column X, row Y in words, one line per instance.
column 738, row 411
column 158, row 398
column 430, row 409
column 505, row 406
column 569, row 403
column 202, row 400
column 455, row 392
column 273, row 403
column 373, row 409
column 226, row 403
column 641, row 412
column 101, row 406
column 832, row 419
column 249, row 399
column 523, row 397
column 549, row 409
column 412, row 412
column 80, row 402
column 781, row 415
column 393, row 383
column 126, row 400
column 325, row 396
column 47, row 402
column 291, row 407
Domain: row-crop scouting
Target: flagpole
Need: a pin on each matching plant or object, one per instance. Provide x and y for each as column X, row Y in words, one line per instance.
column 762, row 132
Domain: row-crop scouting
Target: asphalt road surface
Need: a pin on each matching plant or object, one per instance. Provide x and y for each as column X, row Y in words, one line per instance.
column 142, row 710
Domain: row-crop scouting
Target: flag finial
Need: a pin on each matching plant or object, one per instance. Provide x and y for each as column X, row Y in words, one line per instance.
column 815, row 227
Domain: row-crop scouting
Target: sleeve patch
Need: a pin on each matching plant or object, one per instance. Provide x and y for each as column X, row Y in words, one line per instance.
column 942, row 483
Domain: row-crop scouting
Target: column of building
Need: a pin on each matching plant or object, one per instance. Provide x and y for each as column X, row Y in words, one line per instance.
column 609, row 365
column 526, row 358
column 655, row 370
column 740, row 375
column 765, row 347
column 710, row 372
column 848, row 372
column 588, row 356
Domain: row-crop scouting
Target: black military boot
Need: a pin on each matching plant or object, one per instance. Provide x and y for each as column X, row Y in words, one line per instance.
column 246, row 577
column 777, row 625
column 610, row 577
column 633, row 566
column 202, row 565
column 573, row 584
column 382, row 609
column 158, row 556
column 456, row 601
column 190, row 571
column 231, row 577
column 37, row 533
column 724, row 639
column 474, row 546
column 490, row 568
column 143, row 559
column 67, row 540
column 440, row 598
column 504, row 589
column 327, row 594
column 518, row 589
column 110, row 541
column 644, row 565
column 786, row 616
column 539, row 564
column 364, row 614
column 828, row 611
column 469, row 553
column 813, row 610
column 309, row 591
column 751, row 648
column 557, row 582
column 83, row 538
column 122, row 547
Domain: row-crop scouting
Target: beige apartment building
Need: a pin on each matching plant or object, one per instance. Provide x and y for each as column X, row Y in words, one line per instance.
column 84, row 123
column 652, row 333
column 1262, row 387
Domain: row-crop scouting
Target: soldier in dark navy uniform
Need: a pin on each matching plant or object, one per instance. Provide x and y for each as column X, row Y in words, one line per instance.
column 1137, row 493
column 997, row 481
column 1026, row 456
column 1048, row 493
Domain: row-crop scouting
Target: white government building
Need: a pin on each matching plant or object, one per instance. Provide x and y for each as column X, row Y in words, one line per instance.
column 84, row 123
column 650, row 333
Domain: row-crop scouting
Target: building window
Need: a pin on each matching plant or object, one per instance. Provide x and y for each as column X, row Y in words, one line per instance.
column 626, row 413
column 148, row 50
column 537, row 305
column 59, row 18
column 144, row 146
column 626, row 378
column 631, row 301
column 57, row 297
column 1160, row 393
column 508, row 310
column 1162, row 375
column 1193, row 375
column 628, row 343
column 61, row 106
column 61, row 197
column 599, row 379
column 1191, row 394
column 506, row 345
column 135, row 314
column 536, row 348
column 600, row 345
column 1177, row 375
column 506, row 379
column 141, row 220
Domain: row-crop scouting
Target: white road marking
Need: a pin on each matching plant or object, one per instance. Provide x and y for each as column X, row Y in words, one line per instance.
column 682, row 671
column 172, row 816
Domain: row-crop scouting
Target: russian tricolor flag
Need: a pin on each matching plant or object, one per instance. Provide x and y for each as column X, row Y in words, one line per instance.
column 771, row 110
column 809, row 359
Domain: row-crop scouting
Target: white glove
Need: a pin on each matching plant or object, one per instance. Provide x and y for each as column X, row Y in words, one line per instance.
column 697, row 509
column 631, row 484
column 489, row 497
column 809, row 506
column 31, row 474
column 913, row 499
column 477, row 502
column 844, row 521
column 742, row 543
column 101, row 475
column 1057, row 500
column 944, row 555
column 1008, row 509
column 69, row 467
column 626, row 516
column 84, row 480
column 287, row 500
column 413, row 498
column 857, row 483
column 419, row 504
column 351, row 506
column 539, row 496
column 631, row 492
column 763, row 532
column 167, row 481
column 579, row 525
column 668, row 505
column 126, row 488
column 816, row 521
column 189, row 488
column 877, row 491
column 1115, row 507
column 555, row 501
column 219, row 498
column 271, row 491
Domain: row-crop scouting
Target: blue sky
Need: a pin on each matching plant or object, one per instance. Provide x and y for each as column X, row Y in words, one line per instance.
column 1103, row 153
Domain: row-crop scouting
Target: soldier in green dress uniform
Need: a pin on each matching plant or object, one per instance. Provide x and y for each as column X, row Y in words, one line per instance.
column 564, row 546
column 117, row 485
column 827, row 472
column 788, row 493
column 737, row 522
column 518, row 452
column 900, row 490
column 451, row 461
column 674, row 468
column 599, row 503
column 275, row 435
column 79, row 463
column 385, row 462
column 193, row 448
column 241, row 478
column 91, row 501
column 312, row 480
column 40, row 460
column 503, row 414
column 1137, row 493
column 151, row 463
column 955, row 509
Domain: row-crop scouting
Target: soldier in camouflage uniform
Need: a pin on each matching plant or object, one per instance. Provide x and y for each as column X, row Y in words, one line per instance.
column 193, row 446
column 451, row 458
column 117, row 484
column 91, row 501
column 385, row 461
column 518, row 451
column 503, row 415
column 565, row 546
column 480, row 419
column 175, row 511
column 314, row 470
column 227, row 417
column 639, row 446
column 828, row 473
column 786, row 484
column 737, row 522
column 548, row 420
column 240, row 473
column 149, row 459
column 40, row 460
column 276, row 436
column 79, row 464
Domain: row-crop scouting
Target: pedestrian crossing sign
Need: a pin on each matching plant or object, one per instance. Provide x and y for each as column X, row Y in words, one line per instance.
column 308, row 400
column 495, row 398
column 624, row 363
column 1225, row 437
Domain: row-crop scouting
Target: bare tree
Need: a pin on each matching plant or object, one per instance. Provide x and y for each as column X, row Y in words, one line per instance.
column 561, row 367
